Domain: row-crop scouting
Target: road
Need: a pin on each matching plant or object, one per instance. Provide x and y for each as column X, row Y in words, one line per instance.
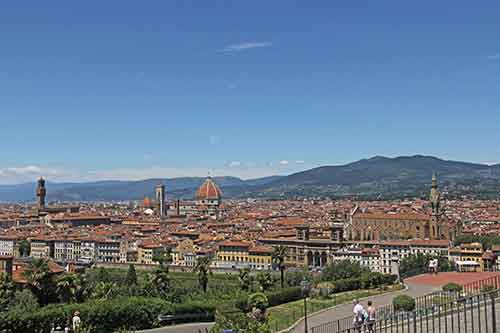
column 345, row 310
column 186, row 328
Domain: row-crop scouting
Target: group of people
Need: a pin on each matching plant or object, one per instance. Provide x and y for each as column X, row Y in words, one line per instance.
column 75, row 325
column 364, row 319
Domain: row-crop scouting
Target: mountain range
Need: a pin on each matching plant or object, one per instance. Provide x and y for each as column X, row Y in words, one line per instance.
column 374, row 178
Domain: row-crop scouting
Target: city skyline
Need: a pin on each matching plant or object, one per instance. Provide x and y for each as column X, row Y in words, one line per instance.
column 247, row 90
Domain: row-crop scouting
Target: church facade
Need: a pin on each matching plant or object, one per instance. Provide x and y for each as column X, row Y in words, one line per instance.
column 400, row 226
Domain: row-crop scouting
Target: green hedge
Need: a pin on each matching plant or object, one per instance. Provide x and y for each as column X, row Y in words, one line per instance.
column 454, row 287
column 104, row 316
column 403, row 303
column 284, row 295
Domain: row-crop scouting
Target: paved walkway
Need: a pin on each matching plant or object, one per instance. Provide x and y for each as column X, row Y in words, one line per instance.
column 186, row 328
column 345, row 310
column 339, row 312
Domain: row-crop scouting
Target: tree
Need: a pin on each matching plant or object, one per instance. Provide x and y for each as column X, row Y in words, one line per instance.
column 245, row 279
column 279, row 256
column 24, row 248
column 39, row 278
column 344, row 269
column 131, row 279
column 23, row 301
column 403, row 303
column 104, row 290
column 103, row 275
column 163, row 257
column 6, row 291
column 72, row 288
column 202, row 268
column 160, row 281
column 265, row 280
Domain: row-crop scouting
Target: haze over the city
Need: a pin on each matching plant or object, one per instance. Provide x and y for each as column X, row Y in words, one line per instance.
column 122, row 90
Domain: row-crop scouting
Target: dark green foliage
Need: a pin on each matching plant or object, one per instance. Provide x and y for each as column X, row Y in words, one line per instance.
column 258, row 300
column 163, row 257
column 202, row 269
column 487, row 288
column 41, row 281
column 6, row 291
column 24, row 248
column 295, row 278
column 284, row 295
column 104, row 316
column 403, row 303
column 344, row 269
column 102, row 275
column 131, row 279
column 23, row 301
column 278, row 256
column 265, row 280
column 453, row 287
column 245, row 279
column 416, row 264
column 486, row 240
column 73, row 287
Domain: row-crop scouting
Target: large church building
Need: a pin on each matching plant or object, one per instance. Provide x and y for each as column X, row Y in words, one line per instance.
column 373, row 226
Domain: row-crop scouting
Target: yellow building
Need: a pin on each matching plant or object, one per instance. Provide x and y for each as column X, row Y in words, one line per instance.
column 240, row 255
column 146, row 253
column 471, row 258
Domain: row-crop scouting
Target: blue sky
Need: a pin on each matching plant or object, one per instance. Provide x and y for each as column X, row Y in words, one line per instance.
column 129, row 89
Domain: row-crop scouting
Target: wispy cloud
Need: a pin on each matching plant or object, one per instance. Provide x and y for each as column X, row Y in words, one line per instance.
column 284, row 162
column 494, row 56
column 245, row 46
column 300, row 162
column 233, row 164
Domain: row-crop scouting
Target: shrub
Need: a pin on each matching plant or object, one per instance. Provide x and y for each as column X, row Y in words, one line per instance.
column 487, row 288
column 453, row 287
column 284, row 296
column 403, row 303
column 104, row 316
column 258, row 300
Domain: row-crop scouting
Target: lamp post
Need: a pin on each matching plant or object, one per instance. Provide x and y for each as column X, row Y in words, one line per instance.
column 305, row 291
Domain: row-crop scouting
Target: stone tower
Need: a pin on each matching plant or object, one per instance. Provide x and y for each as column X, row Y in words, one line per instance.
column 437, row 223
column 160, row 199
column 41, row 192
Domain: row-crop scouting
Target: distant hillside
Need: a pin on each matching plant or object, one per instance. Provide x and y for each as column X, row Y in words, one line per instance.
column 375, row 178
column 383, row 177
column 122, row 190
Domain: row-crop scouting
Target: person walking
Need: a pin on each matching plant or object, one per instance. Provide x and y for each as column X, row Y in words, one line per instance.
column 370, row 322
column 359, row 317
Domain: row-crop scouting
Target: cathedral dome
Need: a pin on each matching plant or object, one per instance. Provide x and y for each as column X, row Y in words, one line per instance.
column 208, row 191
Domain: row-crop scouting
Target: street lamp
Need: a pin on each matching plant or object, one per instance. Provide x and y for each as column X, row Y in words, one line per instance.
column 306, row 286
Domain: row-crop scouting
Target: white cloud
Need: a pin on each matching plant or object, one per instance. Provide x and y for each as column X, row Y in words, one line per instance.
column 233, row 164
column 245, row 46
column 13, row 175
column 300, row 162
column 284, row 162
column 494, row 56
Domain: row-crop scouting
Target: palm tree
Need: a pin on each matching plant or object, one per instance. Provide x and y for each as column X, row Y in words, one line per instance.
column 202, row 268
column 39, row 278
column 72, row 287
column 66, row 286
column 279, row 255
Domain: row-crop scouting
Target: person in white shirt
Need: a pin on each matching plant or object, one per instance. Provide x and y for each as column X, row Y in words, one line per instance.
column 76, row 321
column 358, row 311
